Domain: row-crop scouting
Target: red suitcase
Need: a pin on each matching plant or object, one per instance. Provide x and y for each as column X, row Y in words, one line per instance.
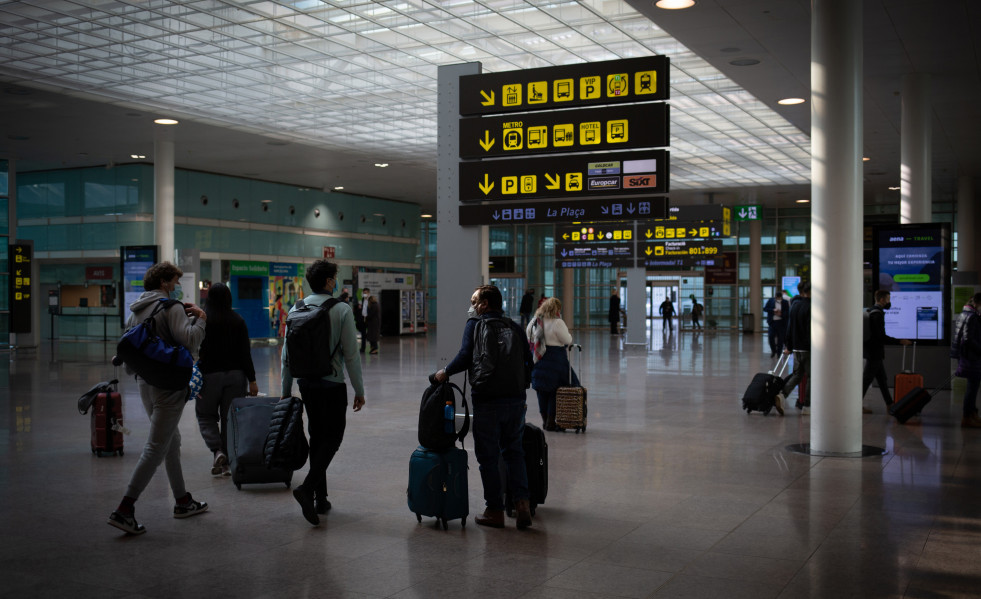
column 907, row 380
column 107, row 423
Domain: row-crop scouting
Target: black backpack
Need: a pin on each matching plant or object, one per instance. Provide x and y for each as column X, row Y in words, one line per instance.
column 498, row 368
column 432, row 422
column 308, row 352
column 286, row 445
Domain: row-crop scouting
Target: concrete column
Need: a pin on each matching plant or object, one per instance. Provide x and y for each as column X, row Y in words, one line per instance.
column 836, row 227
column 916, row 200
column 462, row 251
column 756, row 273
column 966, row 226
column 568, row 297
column 636, row 308
column 163, row 191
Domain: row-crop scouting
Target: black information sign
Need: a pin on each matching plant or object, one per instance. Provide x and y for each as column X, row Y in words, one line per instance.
column 670, row 230
column 547, row 88
column 625, row 127
column 661, row 263
column 563, row 212
column 582, row 175
column 699, row 213
column 592, row 233
column 593, row 255
column 686, row 250
column 21, row 286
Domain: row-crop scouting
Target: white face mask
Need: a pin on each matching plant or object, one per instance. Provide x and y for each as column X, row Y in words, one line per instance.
column 472, row 312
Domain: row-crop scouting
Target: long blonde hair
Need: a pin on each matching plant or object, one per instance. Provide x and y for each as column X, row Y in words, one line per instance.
column 550, row 308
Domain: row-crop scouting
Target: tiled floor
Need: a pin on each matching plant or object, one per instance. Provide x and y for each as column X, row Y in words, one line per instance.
column 672, row 492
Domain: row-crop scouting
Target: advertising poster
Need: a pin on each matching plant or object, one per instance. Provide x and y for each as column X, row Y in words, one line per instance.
column 913, row 263
column 285, row 287
column 136, row 260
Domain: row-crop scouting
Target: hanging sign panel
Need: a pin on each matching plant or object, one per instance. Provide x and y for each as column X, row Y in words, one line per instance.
column 687, row 250
column 582, row 175
column 21, row 256
column 609, row 82
column 563, row 212
column 626, row 127
column 593, row 255
column 681, row 230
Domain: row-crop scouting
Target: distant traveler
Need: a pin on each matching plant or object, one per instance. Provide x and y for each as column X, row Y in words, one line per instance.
column 667, row 311
column 798, row 342
column 184, row 325
column 549, row 336
column 967, row 340
column 874, row 351
column 527, row 307
column 226, row 365
column 777, row 311
column 372, row 324
column 362, row 314
column 696, row 314
column 614, row 313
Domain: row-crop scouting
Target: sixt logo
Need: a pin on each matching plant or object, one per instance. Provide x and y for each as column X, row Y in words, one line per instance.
column 635, row 181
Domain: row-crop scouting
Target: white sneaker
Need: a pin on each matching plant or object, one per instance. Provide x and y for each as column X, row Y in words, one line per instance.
column 221, row 462
column 778, row 403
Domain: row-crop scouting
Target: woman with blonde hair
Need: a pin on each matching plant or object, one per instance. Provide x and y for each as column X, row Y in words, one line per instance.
column 549, row 336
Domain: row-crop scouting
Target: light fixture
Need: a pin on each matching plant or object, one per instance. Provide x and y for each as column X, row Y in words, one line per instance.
column 381, row 164
column 137, row 156
column 804, row 201
column 865, row 159
column 674, row 4
column 165, row 121
column 426, row 215
column 338, row 188
column 896, row 188
column 791, row 101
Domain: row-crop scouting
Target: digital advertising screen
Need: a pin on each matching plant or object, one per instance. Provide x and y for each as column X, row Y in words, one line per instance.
column 789, row 286
column 912, row 262
column 134, row 262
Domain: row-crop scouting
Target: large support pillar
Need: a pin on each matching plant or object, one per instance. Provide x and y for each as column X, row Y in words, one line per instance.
column 916, row 201
column 569, row 298
column 163, row 191
column 966, row 230
column 636, row 308
column 836, row 227
column 756, row 273
column 462, row 251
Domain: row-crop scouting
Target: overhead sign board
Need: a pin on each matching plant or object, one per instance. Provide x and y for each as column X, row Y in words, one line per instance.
column 21, row 257
column 677, row 248
column 748, row 212
column 681, row 230
column 663, row 263
column 630, row 126
column 547, row 88
column 582, row 175
column 563, row 211
column 593, row 255
column 595, row 233
column 700, row 212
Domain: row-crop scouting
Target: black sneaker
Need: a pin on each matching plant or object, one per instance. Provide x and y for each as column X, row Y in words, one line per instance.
column 305, row 499
column 322, row 505
column 127, row 524
column 191, row 508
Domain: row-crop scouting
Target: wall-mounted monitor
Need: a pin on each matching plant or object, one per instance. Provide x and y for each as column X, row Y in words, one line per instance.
column 134, row 260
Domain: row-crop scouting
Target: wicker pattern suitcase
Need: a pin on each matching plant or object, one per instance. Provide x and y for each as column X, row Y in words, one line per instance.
column 570, row 402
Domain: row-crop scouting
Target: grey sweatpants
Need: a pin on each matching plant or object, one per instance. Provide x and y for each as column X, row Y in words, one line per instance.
column 164, row 443
column 219, row 389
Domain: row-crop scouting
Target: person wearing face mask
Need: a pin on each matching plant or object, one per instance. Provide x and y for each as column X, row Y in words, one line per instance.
column 182, row 324
column 325, row 399
column 873, row 349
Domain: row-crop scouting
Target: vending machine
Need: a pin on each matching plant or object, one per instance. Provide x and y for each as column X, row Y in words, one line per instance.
column 420, row 311
column 406, row 312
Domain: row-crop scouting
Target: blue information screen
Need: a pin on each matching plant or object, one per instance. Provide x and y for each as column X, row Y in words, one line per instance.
column 135, row 261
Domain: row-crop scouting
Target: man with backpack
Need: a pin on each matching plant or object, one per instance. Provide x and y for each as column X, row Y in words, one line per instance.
column 321, row 340
column 873, row 347
column 498, row 361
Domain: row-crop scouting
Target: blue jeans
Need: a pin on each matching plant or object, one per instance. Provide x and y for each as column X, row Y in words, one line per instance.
column 971, row 395
column 497, row 431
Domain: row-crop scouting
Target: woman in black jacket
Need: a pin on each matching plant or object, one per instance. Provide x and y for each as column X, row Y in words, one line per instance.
column 226, row 365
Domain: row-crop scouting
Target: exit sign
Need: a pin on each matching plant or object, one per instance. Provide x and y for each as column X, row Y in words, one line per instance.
column 750, row 212
column 328, row 252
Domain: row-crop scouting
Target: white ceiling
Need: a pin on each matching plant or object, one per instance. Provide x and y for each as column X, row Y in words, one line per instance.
column 314, row 93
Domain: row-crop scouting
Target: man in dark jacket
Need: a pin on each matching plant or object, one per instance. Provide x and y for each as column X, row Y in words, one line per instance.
column 777, row 311
column 873, row 349
column 614, row 313
column 799, row 343
column 527, row 307
column 498, row 413
column 967, row 346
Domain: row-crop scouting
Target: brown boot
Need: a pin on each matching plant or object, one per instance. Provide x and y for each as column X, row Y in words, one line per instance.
column 492, row 518
column 524, row 513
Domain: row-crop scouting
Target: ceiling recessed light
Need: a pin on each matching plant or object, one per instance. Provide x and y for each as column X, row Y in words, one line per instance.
column 804, row 201
column 791, row 101
column 744, row 62
column 426, row 215
column 137, row 156
column 865, row 159
column 338, row 188
column 265, row 201
column 896, row 188
column 381, row 164
column 674, row 4
column 165, row 121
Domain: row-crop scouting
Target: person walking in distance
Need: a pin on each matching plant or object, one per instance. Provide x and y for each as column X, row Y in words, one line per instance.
column 967, row 344
column 498, row 361
column 798, row 343
column 667, row 311
column 613, row 316
column 874, row 349
column 177, row 324
column 777, row 311
column 549, row 337
column 527, row 307
column 325, row 398
column 363, row 312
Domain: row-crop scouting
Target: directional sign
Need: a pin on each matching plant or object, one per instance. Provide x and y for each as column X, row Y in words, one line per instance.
column 679, row 249
column 563, row 212
column 749, row 212
column 594, row 233
column 582, row 175
column 21, row 286
column 570, row 255
column 680, row 230
column 661, row 263
column 609, row 82
column 626, row 127
column 700, row 213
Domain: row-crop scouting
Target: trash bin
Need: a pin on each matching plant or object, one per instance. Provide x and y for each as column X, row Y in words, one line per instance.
column 749, row 322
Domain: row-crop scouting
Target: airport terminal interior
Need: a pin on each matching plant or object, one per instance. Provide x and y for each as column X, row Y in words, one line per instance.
column 673, row 491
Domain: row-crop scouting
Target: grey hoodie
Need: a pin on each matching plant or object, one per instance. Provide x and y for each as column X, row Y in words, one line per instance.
column 173, row 325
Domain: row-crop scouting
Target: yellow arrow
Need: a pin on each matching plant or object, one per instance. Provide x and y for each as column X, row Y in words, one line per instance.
column 553, row 183
column 565, row 236
column 487, row 143
column 648, row 250
column 649, row 234
column 486, row 186
column 488, row 100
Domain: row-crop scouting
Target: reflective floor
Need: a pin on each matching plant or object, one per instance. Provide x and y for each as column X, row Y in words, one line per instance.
column 672, row 492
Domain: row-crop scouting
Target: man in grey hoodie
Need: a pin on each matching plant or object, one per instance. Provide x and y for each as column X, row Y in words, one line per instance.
column 177, row 324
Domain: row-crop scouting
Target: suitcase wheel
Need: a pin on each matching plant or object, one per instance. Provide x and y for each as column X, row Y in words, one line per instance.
column 419, row 518
column 288, row 484
column 532, row 510
column 98, row 453
column 93, row 450
column 120, row 453
column 446, row 525
column 463, row 522
column 766, row 412
column 238, row 486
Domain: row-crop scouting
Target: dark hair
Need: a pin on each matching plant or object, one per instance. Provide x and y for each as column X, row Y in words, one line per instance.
column 492, row 295
column 804, row 287
column 881, row 294
column 219, row 300
column 158, row 273
column 976, row 299
column 318, row 273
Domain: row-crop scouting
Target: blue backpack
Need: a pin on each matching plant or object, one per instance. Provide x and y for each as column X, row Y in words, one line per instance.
column 153, row 359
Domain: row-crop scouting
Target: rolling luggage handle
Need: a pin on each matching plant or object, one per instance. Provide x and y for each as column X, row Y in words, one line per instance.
column 781, row 366
column 912, row 370
column 570, row 348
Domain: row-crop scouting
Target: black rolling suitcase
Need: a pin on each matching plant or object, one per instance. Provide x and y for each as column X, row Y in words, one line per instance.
column 248, row 426
column 536, row 463
column 762, row 391
column 913, row 402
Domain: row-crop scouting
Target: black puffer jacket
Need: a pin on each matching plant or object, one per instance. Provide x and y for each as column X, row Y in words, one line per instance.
column 286, row 445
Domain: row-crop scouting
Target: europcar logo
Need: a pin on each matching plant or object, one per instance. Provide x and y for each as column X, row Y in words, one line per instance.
column 639, row 181
column 604, row 183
